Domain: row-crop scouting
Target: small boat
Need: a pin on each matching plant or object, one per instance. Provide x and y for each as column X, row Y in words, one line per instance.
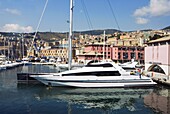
column 102, row 74
column 25, row 61
column 129, row 65
column 62, row 66
column 2, row 58
column 66, row 67
column 2, row 67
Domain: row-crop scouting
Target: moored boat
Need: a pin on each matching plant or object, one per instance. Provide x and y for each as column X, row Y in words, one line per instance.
column 103, row 74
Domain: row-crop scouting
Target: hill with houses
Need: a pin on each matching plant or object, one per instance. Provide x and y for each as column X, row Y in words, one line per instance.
column 55, row 36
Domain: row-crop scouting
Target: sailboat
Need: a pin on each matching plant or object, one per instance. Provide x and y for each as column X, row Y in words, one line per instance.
column 94, row 75
column 2, row 63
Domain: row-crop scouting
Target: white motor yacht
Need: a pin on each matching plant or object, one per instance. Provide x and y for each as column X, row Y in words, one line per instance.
column 102, row 74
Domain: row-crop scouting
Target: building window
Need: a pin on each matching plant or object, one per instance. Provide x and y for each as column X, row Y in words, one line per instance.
column 132, row 55
column 168, row 42
column 125, row 55
column 140, row 55
column 155, row 44
column 130, row 42
column 120, row 48
column 119, row 55
column 162, row 43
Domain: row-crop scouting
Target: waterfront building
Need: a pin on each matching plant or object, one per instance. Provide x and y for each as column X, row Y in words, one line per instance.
column 157, row 56
column 55, row 52
column 94, row 52
column 123, row 54
column 116, row 53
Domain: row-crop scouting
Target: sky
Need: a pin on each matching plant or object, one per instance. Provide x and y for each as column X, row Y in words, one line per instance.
column 125, row 15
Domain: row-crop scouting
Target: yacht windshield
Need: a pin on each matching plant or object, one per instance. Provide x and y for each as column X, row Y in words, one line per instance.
column 99, row 65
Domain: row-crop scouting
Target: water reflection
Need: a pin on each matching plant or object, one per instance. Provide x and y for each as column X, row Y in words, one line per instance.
column 8, row 79
column 42, row 100
column 103, row 99
column 128, row 100
column 100, row 98
column 159, row 100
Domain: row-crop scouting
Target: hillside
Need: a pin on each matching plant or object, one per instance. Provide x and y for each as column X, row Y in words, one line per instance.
column 48, row 36
column 58, row 36
column 53, row 36
column 168, row 27
column 98, row 32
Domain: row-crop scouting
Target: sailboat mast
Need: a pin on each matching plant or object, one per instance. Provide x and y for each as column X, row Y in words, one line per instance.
column 22, row 46
column 103, row 45
column 70, row 36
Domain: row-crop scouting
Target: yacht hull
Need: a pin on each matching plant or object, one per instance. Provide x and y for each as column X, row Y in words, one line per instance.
column 102, row 74
column 94, row 82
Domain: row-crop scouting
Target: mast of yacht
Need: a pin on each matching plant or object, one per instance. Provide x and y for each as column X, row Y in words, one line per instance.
column 103, row 45
column 70, row 36
column 22, row 46
column 4, row 45
column 8, row 50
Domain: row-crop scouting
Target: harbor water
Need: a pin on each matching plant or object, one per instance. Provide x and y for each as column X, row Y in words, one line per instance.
column 39, row 99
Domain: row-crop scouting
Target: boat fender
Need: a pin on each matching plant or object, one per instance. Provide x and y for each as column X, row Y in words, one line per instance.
column 152, row 74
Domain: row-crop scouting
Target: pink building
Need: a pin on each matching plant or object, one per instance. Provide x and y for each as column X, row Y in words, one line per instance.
column 157, row 56
column 95, row 52
column 116, row 53
column 126, row 53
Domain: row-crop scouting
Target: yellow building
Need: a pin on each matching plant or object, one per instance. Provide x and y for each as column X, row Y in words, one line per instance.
column 55, row 52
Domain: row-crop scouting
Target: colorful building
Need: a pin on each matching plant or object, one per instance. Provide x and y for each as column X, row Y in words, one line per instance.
column 116, row 53
column 94, row 52
column 157, row 56
column 123, row 54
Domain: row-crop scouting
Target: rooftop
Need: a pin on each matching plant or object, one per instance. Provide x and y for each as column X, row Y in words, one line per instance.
column 160, row 39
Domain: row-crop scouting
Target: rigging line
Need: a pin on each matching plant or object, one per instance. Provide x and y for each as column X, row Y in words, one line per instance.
column 41, row 17
column 113, row 14
column 87, row 15
column 39, row 24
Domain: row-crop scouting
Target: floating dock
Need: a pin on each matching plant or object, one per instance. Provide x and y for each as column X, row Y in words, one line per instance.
column 24, row 78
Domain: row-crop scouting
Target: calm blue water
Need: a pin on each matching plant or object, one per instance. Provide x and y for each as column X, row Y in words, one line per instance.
column 40, row 99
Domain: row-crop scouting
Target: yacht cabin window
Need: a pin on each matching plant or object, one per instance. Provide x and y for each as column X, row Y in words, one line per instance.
column 94, row 73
